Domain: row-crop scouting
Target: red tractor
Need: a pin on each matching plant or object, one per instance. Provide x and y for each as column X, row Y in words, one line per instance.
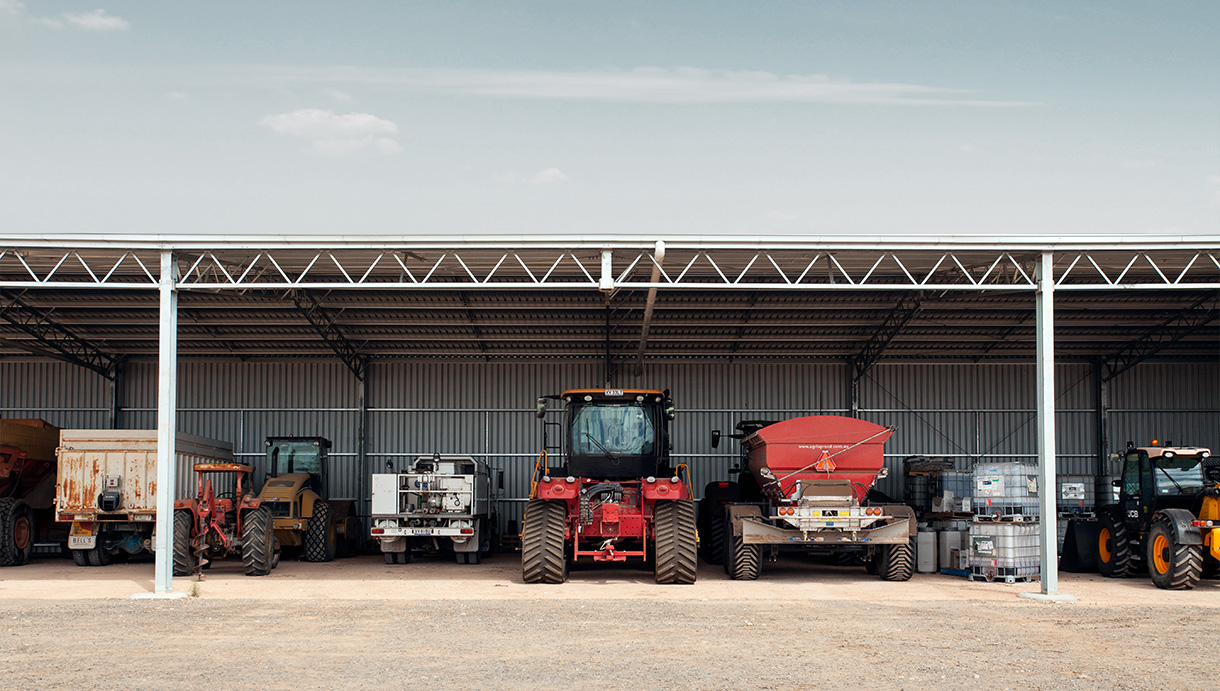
column 612, row 494
column 215, row 525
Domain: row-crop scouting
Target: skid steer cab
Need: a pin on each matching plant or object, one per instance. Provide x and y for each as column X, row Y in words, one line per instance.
column 1167, row 519
column 306, row 518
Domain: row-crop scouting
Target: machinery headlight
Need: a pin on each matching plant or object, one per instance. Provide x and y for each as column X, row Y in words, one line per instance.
column 1168, row 454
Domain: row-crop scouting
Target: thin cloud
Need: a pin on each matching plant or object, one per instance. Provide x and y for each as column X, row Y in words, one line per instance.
column 97, row 20
column 330, row 134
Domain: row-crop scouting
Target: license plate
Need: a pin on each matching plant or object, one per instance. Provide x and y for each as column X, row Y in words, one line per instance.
column 421, row 531
column 82, row 541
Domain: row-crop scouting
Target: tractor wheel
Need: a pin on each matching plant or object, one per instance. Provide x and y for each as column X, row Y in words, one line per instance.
column 80, row 557
column 895, row 562
column 16, row 532
column 742, row 562
column 1114, row 551
column 1173, row 566
column 544, row 556
column 257, row 546
column 320, row 534
column 183, row 557
column 677, row 557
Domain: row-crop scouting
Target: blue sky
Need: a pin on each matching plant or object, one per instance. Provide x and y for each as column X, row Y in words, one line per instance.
column 657, row 118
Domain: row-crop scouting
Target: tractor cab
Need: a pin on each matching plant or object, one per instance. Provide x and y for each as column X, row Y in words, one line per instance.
column 1156, row 477
column 614, row 433
column 298, row 460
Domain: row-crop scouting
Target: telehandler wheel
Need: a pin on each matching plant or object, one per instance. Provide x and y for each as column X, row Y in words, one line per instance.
column 16, row 532
column 544, row 558
column 320, row 542
column 895, row 562
column 1114, row 551
column 677, row 558
column 257, row 546
column 183, row 556
column 80, row 557
column 1173, row 566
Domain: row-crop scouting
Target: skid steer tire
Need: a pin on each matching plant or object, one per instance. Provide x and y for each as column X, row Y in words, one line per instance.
column 543, row 545
column 183, row 521
column 16, row 532
column 320, row 542
column 80, row 557
column 742, row 562
column 257, row 544
column 677, row 558
column 1114, row 553
column 1172, row 565
column 895, row 562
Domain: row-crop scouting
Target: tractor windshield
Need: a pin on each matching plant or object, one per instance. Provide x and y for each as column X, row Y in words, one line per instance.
column 295, row 457
column 1179, row 475
column 624, row 429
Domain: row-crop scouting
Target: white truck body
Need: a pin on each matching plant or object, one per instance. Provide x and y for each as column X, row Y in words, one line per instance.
column 441, row 497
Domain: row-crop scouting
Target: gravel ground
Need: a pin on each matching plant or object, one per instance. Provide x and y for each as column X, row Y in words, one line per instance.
column 360, row 623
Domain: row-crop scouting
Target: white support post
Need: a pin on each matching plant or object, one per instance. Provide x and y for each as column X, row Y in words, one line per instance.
column 167, row 410
column 606, row 282
column 1045, row 338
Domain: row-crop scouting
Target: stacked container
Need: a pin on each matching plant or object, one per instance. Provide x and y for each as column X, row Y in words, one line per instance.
column 1004, row 535
column 951, row 491
column 1006, row 491
column 915, row 493
column 1076, row 498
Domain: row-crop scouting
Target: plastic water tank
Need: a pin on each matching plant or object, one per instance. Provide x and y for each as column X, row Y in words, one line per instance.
column 925, row 551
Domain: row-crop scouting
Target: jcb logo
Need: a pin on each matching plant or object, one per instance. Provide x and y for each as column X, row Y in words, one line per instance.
column 1133, row 514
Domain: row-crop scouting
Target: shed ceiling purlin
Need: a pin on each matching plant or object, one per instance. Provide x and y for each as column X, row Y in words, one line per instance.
column 538, row 296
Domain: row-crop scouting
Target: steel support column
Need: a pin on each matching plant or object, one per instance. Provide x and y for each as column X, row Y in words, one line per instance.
column 1045, row 338
column 167, row 410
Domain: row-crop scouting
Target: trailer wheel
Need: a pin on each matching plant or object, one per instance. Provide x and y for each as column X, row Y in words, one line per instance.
column 895, row 562
column 742, row 562
column 1113, row 548
column 80, row 557
column 16, row 532
column 257, row 548
column 183, row 519
column 677, row 556
column 543, row 555
column 1173, row 566
column 320, row 534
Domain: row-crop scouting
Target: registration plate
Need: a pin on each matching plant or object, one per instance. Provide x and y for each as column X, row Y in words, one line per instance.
column 82, row 541
column 421, row 531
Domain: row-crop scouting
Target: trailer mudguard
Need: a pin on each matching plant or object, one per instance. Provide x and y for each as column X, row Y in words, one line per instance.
column 1184, row 530
column 734, row 513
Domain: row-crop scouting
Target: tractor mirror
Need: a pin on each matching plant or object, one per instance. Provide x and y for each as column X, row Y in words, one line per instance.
column 1116, row 484
column 500, row 479
column 883, row 473
column 670, row 411
column 715, row 439
column 1115, row 458
column 540, row 408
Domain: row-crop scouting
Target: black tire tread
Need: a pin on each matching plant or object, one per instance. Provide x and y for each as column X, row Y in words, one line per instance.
column 184, row 520
column 543, row 547
column 80, row 557
column 896, row 562
column 13, row 510
column 318, row 543
column 677, row 558
column 742, row 562
column 1120, row 565
column 1185, row 563
column 257, row 548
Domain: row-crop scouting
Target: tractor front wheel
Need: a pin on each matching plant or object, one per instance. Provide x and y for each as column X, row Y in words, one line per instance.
column 16, row 532
column 544, row 558
column 257, row 542
column 1114, row 551
column 183, row 556
column 320, row 542
column 1172, row 565
column 676, row 543
column 895, row 562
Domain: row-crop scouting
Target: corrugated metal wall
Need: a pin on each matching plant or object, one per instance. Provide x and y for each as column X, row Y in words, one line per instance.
column 961, row 411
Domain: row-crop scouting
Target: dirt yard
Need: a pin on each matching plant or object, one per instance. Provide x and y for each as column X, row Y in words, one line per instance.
column 359, row 623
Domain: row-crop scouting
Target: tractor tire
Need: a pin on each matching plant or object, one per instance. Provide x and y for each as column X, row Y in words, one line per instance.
column 742, row 562
column 257, row 542
column 320, row 542
column 183, row 556
column 80, row 557
column 677, row 557
column 1114, row 553
column 895, row 562
column 544, row 557
column 16, row 532
column 1172, row 566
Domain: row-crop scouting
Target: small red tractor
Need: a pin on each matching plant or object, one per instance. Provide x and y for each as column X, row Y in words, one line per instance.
column 612, row 494
column 215, row 525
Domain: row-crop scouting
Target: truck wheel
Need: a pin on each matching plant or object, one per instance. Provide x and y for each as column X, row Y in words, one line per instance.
column 543, row 546
column 676, row 545
column 80, row 557
column 1113, row 548
column 183, row 557
column 1172, row 565
column 467, row 557
column 99, row 556
column 320, row 534
column 257, row 548
column 16, row 532
column 895, row 562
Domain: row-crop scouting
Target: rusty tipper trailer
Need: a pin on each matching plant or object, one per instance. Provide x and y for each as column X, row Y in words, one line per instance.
column 804, row 484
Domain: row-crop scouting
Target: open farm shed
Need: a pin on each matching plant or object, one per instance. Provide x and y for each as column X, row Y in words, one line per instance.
column 977, row 349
